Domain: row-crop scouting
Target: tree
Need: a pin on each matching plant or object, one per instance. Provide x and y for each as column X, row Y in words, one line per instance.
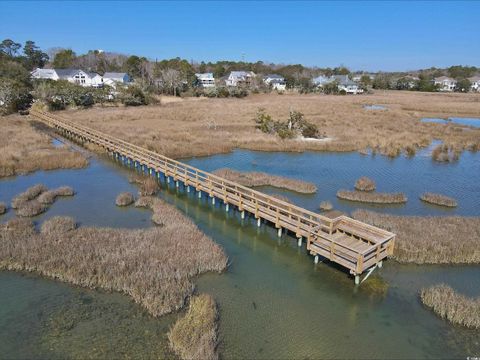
column 64, row 59
column 365, row 82
column 461, row 72
column 9, row 47
column 202, row 68
column 382, row 81
column 171, row 80
column 341, row 70
column 463, row 85
column 15, row 71
column 34, row 57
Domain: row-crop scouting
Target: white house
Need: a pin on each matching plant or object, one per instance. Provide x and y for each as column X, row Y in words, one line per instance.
column 205, row 79
column 475, row 81
column 76, row 76
column 276, row 82
column 343, row 81
column 240, row 78
column 445, row 83
column 114, row 78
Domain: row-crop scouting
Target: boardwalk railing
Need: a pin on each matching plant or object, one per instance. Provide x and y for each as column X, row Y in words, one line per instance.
column 350, row 243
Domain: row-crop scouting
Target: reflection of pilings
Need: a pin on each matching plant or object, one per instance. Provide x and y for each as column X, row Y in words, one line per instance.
column 299, row 242
column 242, row 214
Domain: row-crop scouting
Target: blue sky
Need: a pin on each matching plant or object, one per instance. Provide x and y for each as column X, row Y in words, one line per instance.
column 361, row 35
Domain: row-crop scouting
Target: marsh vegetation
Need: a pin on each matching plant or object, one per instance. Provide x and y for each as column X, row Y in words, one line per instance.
column 452, row 306
column 372, row 197
column 253, row 179
column 25, row 149
column 438, row 199
column 124, row 199
column 3, row 208
column 194, row 336
column 365, row 184
column 36, row 199
column 430, row 240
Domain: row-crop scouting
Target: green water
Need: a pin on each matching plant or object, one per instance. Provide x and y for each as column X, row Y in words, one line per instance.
column 274, row 302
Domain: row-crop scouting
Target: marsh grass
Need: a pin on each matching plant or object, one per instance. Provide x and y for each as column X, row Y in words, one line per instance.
column 31, row 208
column 365, row 184
column 438, row 199
column 154, row 266
column 253, row 179
column 25, row 149
column 30, row 194
column 444, row 153
column 452, row 306
column 326, row 206
column 3, row 208
column 194, row 336
column 183, row 128
column 36, row 199
column 49, row 197
column 430, row 240
column 147, row 185
column 372, row 197
column 124, row 199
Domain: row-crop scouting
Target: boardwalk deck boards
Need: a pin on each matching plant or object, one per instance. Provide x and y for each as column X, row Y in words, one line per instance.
column 350, row 243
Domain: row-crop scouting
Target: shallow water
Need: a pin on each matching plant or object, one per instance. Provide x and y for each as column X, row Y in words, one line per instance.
column 274, row 302
column 474, row 122
column 375, row 107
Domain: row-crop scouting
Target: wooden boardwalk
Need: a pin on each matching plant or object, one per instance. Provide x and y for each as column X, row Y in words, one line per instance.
column 350, row 243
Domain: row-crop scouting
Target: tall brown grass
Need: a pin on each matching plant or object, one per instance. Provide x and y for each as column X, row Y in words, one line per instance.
column 58, row 225
column 200, row 127
column 24, row 149
column 253, row 179
column 3, row 208
column 430, row 240
column 30, row 194
column 438, row 199
column 444, row 153
column 49, row 197
column 452, row 306
column 148, row 185
column 36, row 199
column 365, row 184
column 194, row 336
column 326, row 206
column 154, row 266
column 124, row 199
column 372, row 197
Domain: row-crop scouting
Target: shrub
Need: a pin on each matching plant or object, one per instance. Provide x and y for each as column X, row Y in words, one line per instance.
column 365, row 184
column 124, row 199
column 14, row 96
column 223, row 92
column 264, row 121
column 310, row 131
column 134, row 96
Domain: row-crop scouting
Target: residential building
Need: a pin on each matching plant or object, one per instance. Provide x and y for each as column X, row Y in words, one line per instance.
column 358, row 77
column 475, row 81
column 445, row 83
column 205, row 79
column 75, row 76
column 114, row 78
column 343, row 81
column 240, row 78
column 276, row 82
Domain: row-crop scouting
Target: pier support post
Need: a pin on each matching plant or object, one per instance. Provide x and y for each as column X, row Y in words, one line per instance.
column 135, row 164
column 279, row 232
column 227, row 207
column 199, row 194
column 380, row 264
column 158, row 175
column 315, row 259
column 299, row 242
column 168, row 179
column 150, row 171
column 177, row 183
column 213, row 200
column 259, row 222
column 188, row 188
column 242, row 214
column 357, row 279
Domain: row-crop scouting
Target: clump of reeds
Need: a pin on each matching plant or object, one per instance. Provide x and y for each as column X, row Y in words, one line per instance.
column 154, row 266
column 430, row 240
column 30, row 194
column 144, row 201
column 365, row 184
column 49, row 197
column 58, row 225
column 372, row 197
column 444, row 153
column 148, row 185
column 326, row 206
column 3, row 208
column 438, row 199
column 194, row 336
column 30, row 208
column 124, row 199
column 18, row 226
column 253, row 179
column 448, row 304
column 65, row 191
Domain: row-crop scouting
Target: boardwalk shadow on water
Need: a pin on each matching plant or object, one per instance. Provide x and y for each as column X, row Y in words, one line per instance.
column 274, row 302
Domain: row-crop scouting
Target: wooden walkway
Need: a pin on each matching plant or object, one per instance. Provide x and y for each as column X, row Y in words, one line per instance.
column 350, row 243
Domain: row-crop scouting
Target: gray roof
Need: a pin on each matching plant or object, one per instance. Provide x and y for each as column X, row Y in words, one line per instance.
column 114, row 75
column 66, row 73
column 274, row 76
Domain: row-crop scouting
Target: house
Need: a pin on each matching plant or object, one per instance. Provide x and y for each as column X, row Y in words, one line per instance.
column 445, row 83
column 75, row 76
column 240, row 78
column 358, row 77
column 343, row 81
column 114, row 78
column 276, row 82
column 475, row 81
column 205, row 79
